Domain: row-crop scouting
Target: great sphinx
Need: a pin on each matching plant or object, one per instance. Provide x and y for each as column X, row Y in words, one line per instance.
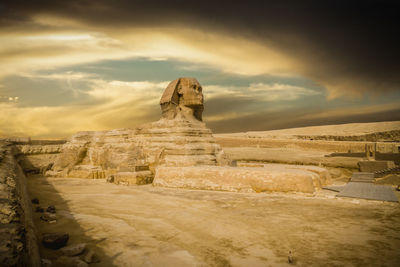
column 176, row 151
column 179, row 138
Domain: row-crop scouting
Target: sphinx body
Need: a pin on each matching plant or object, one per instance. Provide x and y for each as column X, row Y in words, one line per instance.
column 176, row 151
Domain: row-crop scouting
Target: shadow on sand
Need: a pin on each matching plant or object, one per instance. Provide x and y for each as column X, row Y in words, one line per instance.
column 39, row 187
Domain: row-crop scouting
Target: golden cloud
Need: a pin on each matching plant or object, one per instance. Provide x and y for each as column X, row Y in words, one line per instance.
column 27, row 51
column 126, row 105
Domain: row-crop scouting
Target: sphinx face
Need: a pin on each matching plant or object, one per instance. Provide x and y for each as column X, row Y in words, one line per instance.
column 191, row 93
column 184, row 98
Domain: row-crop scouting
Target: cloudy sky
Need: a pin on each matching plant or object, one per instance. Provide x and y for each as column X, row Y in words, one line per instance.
column 68, row 66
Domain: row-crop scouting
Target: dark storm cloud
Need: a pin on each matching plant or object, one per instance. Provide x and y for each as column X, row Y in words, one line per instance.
column 344, row 45
column 263, row 66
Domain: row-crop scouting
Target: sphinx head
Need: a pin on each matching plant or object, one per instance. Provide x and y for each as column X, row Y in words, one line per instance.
column 183, row 97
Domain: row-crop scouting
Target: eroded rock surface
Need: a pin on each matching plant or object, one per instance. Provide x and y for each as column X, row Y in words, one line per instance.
column 183, row 98
column 243, row 179
column 17, row 236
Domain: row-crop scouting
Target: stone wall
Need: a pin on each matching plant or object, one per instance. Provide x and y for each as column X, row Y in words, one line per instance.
column 18, row 244
column 388, row 136
column 312, row 145
column 37, row 156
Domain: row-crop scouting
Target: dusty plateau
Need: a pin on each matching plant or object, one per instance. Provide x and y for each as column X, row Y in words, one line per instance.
column 155, row 226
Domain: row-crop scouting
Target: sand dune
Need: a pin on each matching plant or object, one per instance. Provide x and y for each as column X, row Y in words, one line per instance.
column 350, row 129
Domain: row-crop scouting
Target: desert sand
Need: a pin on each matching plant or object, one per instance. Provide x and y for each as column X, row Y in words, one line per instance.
column 153, row 226
column 348, row 129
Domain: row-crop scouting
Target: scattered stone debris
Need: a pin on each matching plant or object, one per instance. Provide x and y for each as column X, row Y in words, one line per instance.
column 11, row 182
column 90, row 257
column 70, row 261
column 55, row 240
column 110, row 179
column 39, row 209
column 51, row 209
column 49, row 217
column 290, row 257
column 35, row 201
column 8, row 213
column 74, row 250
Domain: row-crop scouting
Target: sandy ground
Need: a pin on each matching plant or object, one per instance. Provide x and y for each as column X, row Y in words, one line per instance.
column 348, row 129
column 150, row 226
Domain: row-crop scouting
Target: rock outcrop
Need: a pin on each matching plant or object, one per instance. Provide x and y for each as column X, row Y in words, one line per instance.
column 37, row 156
column 243, row 179
column 18, row 243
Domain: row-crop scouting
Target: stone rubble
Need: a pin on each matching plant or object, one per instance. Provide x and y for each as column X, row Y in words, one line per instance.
column 39, row 209
column 49, row 217
column 90, row 257
column 74, row 250
column 55, row 240
column 51, row 209
column 70, row 261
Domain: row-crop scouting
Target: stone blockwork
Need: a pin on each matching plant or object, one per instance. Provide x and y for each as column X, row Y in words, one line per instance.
column 18, row 246
column 375, row 165
column 37, row 156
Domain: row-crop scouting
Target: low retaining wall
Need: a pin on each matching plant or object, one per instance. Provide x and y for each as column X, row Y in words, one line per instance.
column 316, row 145
column 242, row 179
column 36, row 158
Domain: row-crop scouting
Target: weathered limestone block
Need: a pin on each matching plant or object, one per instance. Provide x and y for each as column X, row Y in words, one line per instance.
column 133, row 178
column 39, row 149
column 375, row 165
column 87, row 172
column 73, row 250
column 324, row 177
column 238, row 179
